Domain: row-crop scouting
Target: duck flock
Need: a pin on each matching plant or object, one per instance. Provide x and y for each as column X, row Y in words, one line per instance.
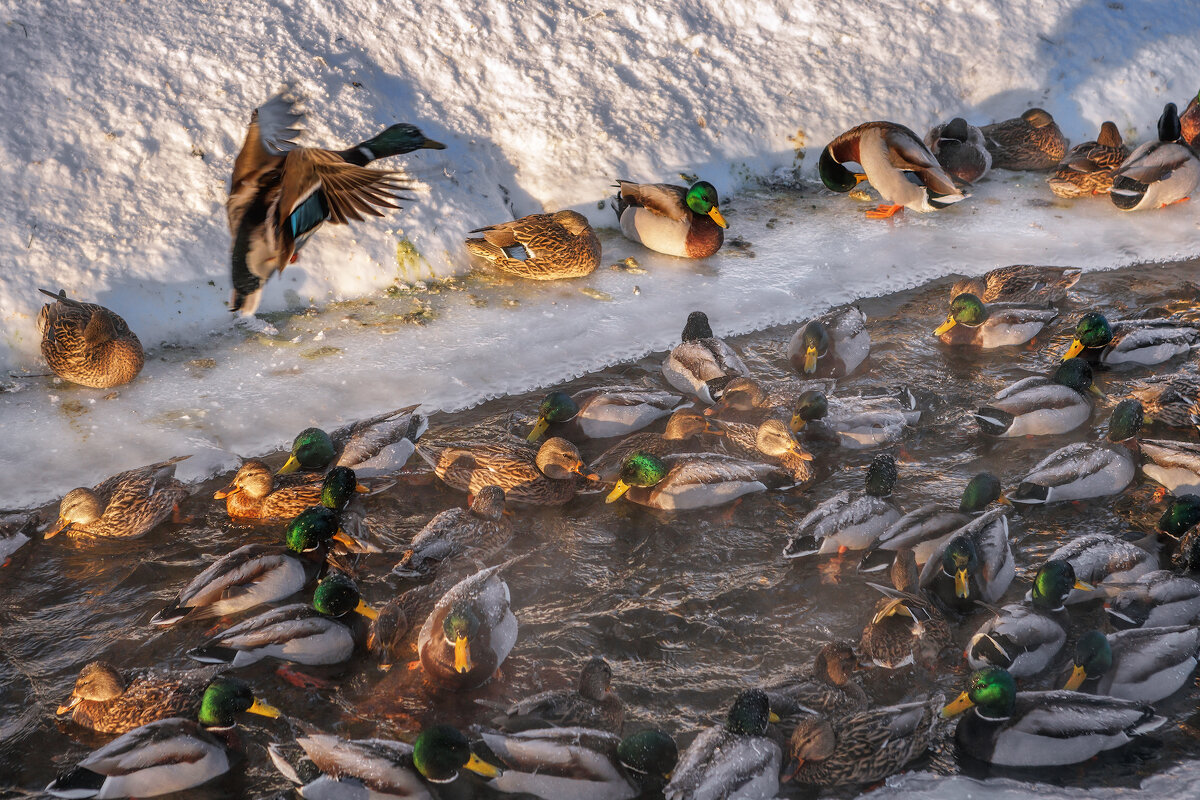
column 702, row 435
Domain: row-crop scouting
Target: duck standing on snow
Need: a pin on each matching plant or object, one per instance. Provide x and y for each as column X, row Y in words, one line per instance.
column 701, row 364
column 280, row 194
column 125, row 506
column 1158, row 173
column 1031, row 141
column 670, row 219
column 541, row 247
column 1088, row 169
column 1134, row 341
column 87, row 344
column 1142, row 664
column 971, row 322
column 960, row 149
column 849, row 521
column 733, row 760
column 1020, row 283
column 889, row 155
column 1040, row 406
column 832, row 345
column 379, row 445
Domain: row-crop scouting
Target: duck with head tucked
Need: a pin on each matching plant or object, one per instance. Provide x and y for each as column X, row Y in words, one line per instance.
column 1088, row 169
column 125, row 506
column 547, row 476
column 960, row 149
column 1031, row 141
column 540, row 247
column 906, row 628
column 669, row 219
column 593, row 704
column 87, row 344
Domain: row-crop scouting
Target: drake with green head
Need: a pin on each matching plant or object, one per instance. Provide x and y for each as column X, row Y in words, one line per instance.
column 683, row 434
column 832, row 345
column 1106, row 562
column 601, row 412
column 669, row 219
column 736, row 759
column 975, row 564
column 1181, row 520
column 686, row 481
column 971, row 322
column 1142, row 664
column 849, row 520
column 379, row 445
column 1040, row 405
column 1136, row 341
column 469, row 633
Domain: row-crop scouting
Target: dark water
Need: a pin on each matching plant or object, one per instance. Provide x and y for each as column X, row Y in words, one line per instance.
column 689, row 608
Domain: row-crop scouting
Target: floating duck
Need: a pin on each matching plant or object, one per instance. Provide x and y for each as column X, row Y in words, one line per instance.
column 1088, row 169
column 469, row 633
column 541, row 247
column 680, row 436
column 1142, row 664
column 1171, row 400
column 126, row 506
column 827, row 687
column 975, row 564
column 478, row 531
column 87, row 344
column 280, row 194
column 593, row 704
column 1176, row 465
column 832, row 345
column 1020, row 283
column 1157, row 173
column 254, row 493
column 772, row 442
column 1157, row 599
column 1135, row 341
column 547, row 476
column 701, row 365
column 1031, row 141
column 735, row 759
column 601, row 412
column 1040, row 405
column 849, row 521
column 669, row 219
column 687, row 481
column 1182, row 515
column 859, row 423
column 960, row 149
column 1105, row 562
column 906, row 628
column 973, row 323
column 380, row 445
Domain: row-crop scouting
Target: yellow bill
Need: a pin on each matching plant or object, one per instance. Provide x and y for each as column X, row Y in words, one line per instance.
column 264, row 710
column 715, row 213
column 958, row 706
column 773, row 717
column 859, row 177
column 797, row 423
column 462, row 655
column 291, row 465
column 1075, row 349
column 810, row 359
column 57, row 528
column 366, row 610
column 481, row 767
column 1078, row 676
column 618, row 492
column 945, row 326
column 539, row 428
column 960, row 584
column 1084, row 586
column 65, row 709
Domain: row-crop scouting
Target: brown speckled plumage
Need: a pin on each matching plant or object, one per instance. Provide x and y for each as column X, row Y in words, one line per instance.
column 560, row 245
column 1172, row 400
column 103, row 701
column 126, row 506
column 255, row 494
column 547, row 476
column 1088, row 168
column 88, row 344
column 1021, row 283
column 1031, row 141
column 1189, row 123
column 906, row 628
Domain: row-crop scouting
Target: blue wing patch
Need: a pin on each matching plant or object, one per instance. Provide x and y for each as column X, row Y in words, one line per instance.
column 308, row 215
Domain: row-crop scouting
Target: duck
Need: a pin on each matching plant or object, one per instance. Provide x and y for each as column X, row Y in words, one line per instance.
column 1088, row 168
column 280, row 194
column 88, row 344
column 1106, row 563
column 392, row 637
column 771, row 442
column 602, row 412
column 1189, row 123
column 592, row 704
column 1181, row 515
column 733, row 760
column 1085, row 470
column 925, row 528
column 905, row 628
column 861, row 747
column 746, row 399
column 106, row 702
column 254, row 493
column 380, row 445
column 1031, row 141
column 832, row 345
column 323, row 633
column 891, row 157
column 540, row 247
column 1145, row 342
column 478, row 531
column 1020, row 283
column 674, row 220
column 1041, row 729
column 681, row 435
column 975, row 564
column 858, row 423
column 1158, row 173
column 1040, row 405
column 1025, row 639
column 687, row 481
column 16, row 530
column 971, row 322
column 470, row 632
column 125, row 506
column 547, row 476
column 1141, row 664
column 959, row 148
column 1171, row 400
column 828, row 686
column 849, row 521
column 1158, row 599
column 582, row 763
column 701, row 365
column 381, row 768
column 1174, row 464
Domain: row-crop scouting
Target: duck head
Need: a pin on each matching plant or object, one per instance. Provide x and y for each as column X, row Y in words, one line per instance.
column 1092, row 331
column 337, row 595
column 1093, row 658
column 441, row 752
column 556, row 407
column 224, row 698
column 1054, row 581
column 811, row 405
column 311, row 449
column 702, row 199
column 967, row 310
column 992, row 692
column 559, row 460
column 78, row 507
column 640, row 469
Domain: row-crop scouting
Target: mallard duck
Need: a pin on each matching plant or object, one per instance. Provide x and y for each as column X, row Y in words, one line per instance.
column 478, row 531
column 1031, row 141
column 858, row 423
column 1040, row 405
column 1157, row 173
column 891, row 157
column 601, row 412
column 1088, row 169
column 746, row 399
column 733, row 760
column 1135, row 341
column 687, row 481
column 1041, row 729
column 1020, row 283
column 1171, row 400
column 849, row 521
column 1189, row 123
column 971, row 322
column 541, row 247
column 905, row 628
column 771, row 442
column 975, row 564
column 1156, row 599
column 1025, row 639
column 125, row 506
column 959, row 148
column 924, row 529
column 470, row 632
column 862, row 747
column 392, row 637
column 828, row 686
column 254, row 493
column 381, row 768
column 832, row 345
column 593, row 704
column 280, row 194
column 324, row 633
column 547, row 476
column 582, row 763
column 1176, row 465
column 16, row 529
column 106, row 702
column 1142, row 664
column 88, row 344
column 680, row 436
column 380, row 445
column 701, row 365
column 1182, row 515
column 1105, row 562
column 1084, row 470
column 671, row 219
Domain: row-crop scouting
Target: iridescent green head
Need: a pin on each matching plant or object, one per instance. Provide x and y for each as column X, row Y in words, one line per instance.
column 1180, row 516
column 1093, row 658
column 750, row 713
column 640, row 469
column 311, row 449
column 967, row 309
column 1054, row 581
column 881, row 475
column 992, row 691
column 960, row 561
column 312, row 528
column 651, row 753
column 811, row 405
column 461, row 623
column 1126, row 421
column 1092, row 331
column 702, row 199
column 339, row 487
column 555, row 408
column 336, row 595
column 225, row 698
column 441, row 751
column 1074, row 373
column 814, row 342
column 399, row 139
column 836, row 177
column 981, row 491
